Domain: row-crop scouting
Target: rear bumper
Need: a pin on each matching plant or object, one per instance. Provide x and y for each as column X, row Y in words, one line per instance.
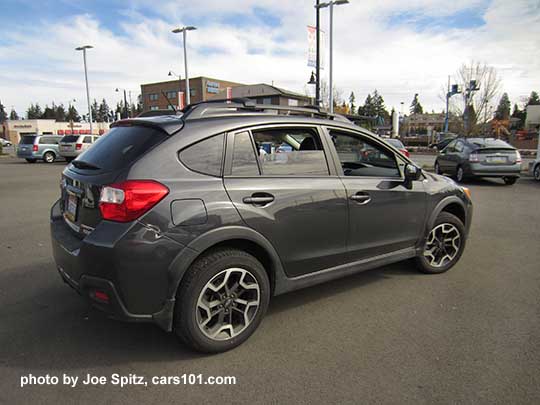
column 115, row 261
column 480, row 170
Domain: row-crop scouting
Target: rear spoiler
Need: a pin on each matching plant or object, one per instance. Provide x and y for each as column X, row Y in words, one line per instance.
column 170, row 124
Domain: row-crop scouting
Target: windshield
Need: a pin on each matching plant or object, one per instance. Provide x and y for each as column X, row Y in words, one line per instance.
column 489, row 143
column 28, row 140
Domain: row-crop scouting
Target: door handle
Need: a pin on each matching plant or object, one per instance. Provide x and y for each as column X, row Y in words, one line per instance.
column 258, row 199
column 361, row 198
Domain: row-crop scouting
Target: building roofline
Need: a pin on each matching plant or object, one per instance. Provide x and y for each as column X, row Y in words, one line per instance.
column 191, row 78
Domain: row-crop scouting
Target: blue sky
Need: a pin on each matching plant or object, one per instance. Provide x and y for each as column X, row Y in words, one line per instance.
column 399, row 47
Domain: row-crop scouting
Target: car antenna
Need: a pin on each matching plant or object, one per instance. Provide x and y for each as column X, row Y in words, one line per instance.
column 167, row 98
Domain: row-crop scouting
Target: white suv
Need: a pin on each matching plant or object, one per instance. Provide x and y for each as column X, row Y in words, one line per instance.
column 71, row 146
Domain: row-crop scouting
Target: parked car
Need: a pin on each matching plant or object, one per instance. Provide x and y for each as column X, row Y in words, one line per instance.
column 72, row 146
column 479, row 157
column 396, row 143
column 5, row 142
column 534, row 168
column 441, row 144
column 39, row 147
column 176, row 220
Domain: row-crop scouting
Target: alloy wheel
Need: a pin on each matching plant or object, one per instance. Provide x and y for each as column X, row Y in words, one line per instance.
column 49, row 157
column 537, row 172
column 442, row 245
column 228, row 304
column 459, row 174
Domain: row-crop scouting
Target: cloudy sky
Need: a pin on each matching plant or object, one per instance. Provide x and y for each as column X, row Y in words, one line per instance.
column 398, row 47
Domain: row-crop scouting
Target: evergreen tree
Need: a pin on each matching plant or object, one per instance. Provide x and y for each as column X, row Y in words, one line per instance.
column 60, row 113
column 34, row 112
column 119, row 109
column 13, row 115
column 139, row 108
column 49, row 113
column 416, row 107
column 103, row 112
column 352, row 99
column 503, row 109
column 94, row 108
column 368, row 109
column 72, row 114
column 379, row 107
column 533, row 99
column 520, row 115
column 3, row 115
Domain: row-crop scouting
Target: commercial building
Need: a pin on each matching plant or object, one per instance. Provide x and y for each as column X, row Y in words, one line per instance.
column 423, row 123
column 161, row 95
column 13, row 130
column 532, row 120
column 266, row 94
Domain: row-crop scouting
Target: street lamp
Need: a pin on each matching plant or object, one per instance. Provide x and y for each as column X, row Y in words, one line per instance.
column 125, row 102
column 83, row 49
column 184, row 31
column 331, row 4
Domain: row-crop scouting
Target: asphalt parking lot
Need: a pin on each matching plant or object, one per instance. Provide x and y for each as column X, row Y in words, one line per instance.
column 389, row 335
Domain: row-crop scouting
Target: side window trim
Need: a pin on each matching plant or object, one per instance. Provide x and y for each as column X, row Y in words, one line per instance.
column 400, row 163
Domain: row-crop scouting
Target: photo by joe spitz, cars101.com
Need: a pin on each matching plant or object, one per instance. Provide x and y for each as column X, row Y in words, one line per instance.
column 183, row 221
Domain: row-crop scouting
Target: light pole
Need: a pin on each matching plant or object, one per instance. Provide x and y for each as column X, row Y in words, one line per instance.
column 331, row 4
column 469, row 93
column 126, row 115
column 83, row 49
column 184, row 31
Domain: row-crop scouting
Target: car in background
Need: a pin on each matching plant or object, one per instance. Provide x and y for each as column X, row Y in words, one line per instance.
column 479, row 157
column 396, row 143
column 5, row 142
column 284, row 148
column 72, row 146
column 534, row 168
column 39, row 147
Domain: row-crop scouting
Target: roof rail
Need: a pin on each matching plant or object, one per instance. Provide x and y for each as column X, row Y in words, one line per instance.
column 240, row 106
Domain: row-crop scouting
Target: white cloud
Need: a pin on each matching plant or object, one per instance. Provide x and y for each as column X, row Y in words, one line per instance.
column 39, row 63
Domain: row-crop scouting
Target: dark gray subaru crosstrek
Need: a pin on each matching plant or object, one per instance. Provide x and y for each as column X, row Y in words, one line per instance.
column 194, row 221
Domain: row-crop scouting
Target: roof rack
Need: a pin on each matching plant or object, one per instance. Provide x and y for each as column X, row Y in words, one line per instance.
column 241, row 106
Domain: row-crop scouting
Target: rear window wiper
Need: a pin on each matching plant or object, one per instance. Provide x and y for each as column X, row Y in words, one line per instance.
column 81, row 164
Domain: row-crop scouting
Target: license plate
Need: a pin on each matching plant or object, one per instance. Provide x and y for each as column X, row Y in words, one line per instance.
column 496, row 159
column 71, row 207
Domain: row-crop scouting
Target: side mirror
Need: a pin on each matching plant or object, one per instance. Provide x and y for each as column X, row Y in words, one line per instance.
column 412, row 173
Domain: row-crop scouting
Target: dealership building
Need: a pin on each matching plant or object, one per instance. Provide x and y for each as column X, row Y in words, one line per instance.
column 164, row 95
column 13, row 130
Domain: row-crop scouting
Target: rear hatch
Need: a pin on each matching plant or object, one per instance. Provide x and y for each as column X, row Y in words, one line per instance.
column 25, row 145
column 107, row 162
column 67, row 143
column 494, row 152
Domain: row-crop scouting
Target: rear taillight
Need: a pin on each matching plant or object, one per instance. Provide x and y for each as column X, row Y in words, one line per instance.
column 128, row 200
column 78, row 146
column 473, row 157
column 518, row 157
column 405, row 152
column 34, row 148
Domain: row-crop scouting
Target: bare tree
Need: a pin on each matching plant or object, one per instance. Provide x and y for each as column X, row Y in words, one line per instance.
column 481, row 100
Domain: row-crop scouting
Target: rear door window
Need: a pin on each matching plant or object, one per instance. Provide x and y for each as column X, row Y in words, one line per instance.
column 87, row 139
column 204, row 157
column 244, row 161
column 290, row 152
column 69, row 138
column 121, row 147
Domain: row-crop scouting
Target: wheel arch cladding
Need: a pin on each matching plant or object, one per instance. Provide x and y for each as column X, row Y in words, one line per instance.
column 238, row 237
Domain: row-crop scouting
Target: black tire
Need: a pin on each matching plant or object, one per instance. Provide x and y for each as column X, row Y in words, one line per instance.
column 423, row 263
column 195, row 281
column 49, row 157
column 510, row 180
column 31, row 160
column 460, row 174
column 438, row 168
column 536, row 172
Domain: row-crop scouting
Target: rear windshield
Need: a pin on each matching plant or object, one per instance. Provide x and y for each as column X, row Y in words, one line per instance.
column 121, row 146
column 28, row 140
column 70, row 138
column 489, row 143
